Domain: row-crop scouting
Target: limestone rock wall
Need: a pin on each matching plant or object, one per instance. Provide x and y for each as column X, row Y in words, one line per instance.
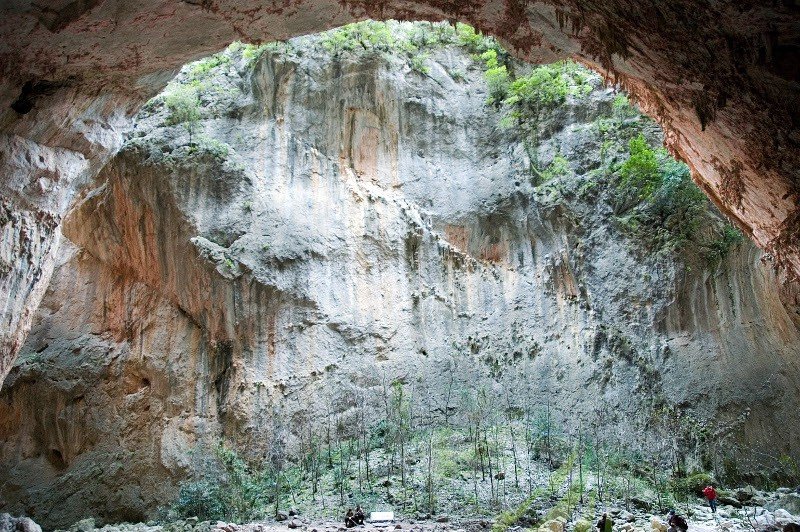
column 721, row 78
column 340, row 225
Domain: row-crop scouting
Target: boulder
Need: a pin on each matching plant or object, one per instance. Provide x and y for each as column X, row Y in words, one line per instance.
column 642, row 504
column 18, row 524
column 84, row 525
column 26, row 524
column 657, row 525
column 744, row 494
column 789, row 502
column 730, row 501
column 553, row 525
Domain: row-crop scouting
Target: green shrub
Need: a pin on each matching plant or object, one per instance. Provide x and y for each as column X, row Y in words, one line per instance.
column 457, row 75
column 559, row 167
column 543, row 89
column 251, row 52
column 202, row 499
column 668, row 211
column 202, row 68
column 640, row 172
column 622, row 108
column 475, row 42
column 367, row 35
column 418, row 63
column 183, row 105
column 718, row 249
column 497, row 79
column 693, row 483
column 229, row 490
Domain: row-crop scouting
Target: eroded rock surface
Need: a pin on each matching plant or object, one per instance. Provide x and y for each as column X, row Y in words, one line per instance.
column 344, row 223
column 722, row 80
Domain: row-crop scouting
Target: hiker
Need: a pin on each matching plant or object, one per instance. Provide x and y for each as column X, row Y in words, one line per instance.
column 711, row 494
column 349, row 520
column 359, row 515
column 605, row 523
column 676, row 522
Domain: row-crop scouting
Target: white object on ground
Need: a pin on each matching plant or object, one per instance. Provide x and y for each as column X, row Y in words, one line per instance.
column 377, row 517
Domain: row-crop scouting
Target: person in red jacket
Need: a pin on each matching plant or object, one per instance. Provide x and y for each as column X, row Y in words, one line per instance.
column 711, row 495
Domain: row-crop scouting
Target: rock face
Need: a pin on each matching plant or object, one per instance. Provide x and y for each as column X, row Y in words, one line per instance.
column 340, row 224
column 721, row 79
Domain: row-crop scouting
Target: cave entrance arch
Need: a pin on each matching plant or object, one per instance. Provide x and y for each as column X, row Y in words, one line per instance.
column 39, row 95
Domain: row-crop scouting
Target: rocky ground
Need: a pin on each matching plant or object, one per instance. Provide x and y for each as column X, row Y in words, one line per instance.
column 745, row 509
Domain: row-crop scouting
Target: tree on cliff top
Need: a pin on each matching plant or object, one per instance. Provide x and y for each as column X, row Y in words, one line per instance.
column 184, row 108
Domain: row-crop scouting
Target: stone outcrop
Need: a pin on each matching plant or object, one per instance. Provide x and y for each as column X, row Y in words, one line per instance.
column 18, row 524
column 344, row 223
column 721, row 79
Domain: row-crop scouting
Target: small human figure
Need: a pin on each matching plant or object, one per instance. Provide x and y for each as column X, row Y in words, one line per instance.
column 711, row 494
column 605, row 523
column 676, row 522
column 349, row 520
column 359, row 515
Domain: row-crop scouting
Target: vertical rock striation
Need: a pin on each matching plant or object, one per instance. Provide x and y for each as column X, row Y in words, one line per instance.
column 343, row 222
column 721, row 78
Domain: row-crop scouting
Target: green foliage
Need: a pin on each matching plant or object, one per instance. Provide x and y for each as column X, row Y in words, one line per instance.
column 418, row 63
column 717, row 249
column 622, row 108
column 413, row 42
column 203, row 68
column 215, row 147
column 542, row 90
column 668, row 212
column 457, row 75
column 229, row 489
column 245, row 490
column 511, row 517
column 183, row 105
column 559, row 167
column 641, row 171
column 251, row 52
column 367, row 34
column 691, row 484
column 202, row 499
column 472, row 40
column 497, row 78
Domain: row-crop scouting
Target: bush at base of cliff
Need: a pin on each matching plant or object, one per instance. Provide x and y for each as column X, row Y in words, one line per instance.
column 229, row 490
column 202, row 500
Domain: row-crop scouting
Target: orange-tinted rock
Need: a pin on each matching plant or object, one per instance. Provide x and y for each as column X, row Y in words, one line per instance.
column 722, row 80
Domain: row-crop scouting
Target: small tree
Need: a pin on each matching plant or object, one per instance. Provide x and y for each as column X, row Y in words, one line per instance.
column 183, row 104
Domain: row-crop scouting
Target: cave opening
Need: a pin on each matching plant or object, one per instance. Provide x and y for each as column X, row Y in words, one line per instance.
column 217, row 222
